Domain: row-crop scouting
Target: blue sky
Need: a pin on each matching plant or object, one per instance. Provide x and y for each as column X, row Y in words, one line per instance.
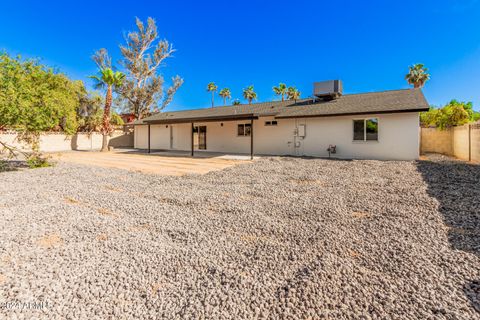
column 367, row 44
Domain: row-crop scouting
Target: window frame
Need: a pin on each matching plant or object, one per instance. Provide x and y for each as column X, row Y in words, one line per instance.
column 244, row 125
column 365, row 129
column 271, row 123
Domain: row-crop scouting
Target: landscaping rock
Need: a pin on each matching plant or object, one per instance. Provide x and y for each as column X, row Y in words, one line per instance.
column 276, row 238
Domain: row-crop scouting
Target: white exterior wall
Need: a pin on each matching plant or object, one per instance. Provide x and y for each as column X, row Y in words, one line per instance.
column 398, row 137
column 140, row 137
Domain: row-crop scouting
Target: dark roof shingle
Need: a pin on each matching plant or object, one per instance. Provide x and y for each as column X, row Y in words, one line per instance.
column 394, row 101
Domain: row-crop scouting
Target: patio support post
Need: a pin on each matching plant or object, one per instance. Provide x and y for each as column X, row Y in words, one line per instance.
column 192, row 139
column 148, row 138
column 251, row 139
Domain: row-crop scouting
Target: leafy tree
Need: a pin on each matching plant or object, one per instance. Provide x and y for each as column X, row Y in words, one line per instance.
column 236, row 102
column 281, row 90
column 417, row 75
column 212, row 87
column 455, row 113
column 90, row 114
column 249, row 94
column 293, row 93
column 106, row 79
column 35, row 98
column 143, row 55
column 225, row 94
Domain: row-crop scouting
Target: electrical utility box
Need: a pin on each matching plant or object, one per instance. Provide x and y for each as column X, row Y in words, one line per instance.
column 301, row 130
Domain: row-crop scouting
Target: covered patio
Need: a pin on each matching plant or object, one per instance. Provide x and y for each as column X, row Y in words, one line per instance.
column 201, row 120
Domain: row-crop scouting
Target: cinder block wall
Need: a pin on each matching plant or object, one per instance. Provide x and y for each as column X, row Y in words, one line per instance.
column 55, row 142
column 436, row 141
column 453, row 142
column 461, row 142
column 475, row 136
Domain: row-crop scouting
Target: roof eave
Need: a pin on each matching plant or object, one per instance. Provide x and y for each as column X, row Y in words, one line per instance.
column 203, row 119
column 352, row 113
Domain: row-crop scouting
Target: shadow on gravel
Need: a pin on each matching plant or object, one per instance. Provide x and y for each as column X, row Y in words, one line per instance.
column 456, row 186
column 11, row 165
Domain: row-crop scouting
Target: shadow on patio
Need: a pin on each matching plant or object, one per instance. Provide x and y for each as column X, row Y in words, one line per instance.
column 456, row 186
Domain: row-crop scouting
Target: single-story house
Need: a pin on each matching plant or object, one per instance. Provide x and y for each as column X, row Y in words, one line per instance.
column 376, row 125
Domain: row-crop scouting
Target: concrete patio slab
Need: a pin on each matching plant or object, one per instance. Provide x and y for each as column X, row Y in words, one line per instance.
column 163, row 163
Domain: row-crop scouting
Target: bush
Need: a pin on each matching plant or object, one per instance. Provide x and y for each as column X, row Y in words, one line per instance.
column 38, row 161
column 3, row 166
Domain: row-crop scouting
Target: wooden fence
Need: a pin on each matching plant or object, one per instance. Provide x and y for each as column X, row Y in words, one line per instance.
column 462, row 142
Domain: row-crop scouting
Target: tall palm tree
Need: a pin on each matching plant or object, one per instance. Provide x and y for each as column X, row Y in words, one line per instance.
column 249, row 94
column 281, row 90
column 417, row 75
column 109, row 80
column 225, row 94
column 212, row 87
column 293, row 93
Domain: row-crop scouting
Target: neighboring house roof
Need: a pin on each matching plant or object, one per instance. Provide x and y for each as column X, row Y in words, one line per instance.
column 408, row 100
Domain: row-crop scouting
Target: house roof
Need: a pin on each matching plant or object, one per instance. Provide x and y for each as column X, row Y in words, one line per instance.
column 395, row 101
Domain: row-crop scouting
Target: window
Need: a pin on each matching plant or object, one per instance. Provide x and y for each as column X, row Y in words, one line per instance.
column 244, row 130
column 270, row 123
column 365, row 129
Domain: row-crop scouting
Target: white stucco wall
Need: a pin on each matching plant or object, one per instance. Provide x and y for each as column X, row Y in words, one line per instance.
column 398, row 137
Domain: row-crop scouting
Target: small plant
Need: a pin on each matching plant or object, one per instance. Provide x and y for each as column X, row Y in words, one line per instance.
column 38, row 161
column 3, row 166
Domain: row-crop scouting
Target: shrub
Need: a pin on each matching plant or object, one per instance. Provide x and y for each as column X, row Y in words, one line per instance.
column 38, row 161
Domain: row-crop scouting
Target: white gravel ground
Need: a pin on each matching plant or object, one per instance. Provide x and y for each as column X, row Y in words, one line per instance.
column 278, row 238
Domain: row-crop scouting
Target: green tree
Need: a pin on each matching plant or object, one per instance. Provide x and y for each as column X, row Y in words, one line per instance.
column 35, row 98
column 293, row 93
column 143, row 56
column 417, row 75
column 281, row 90
column 212, row 87
column 225, row 94
column 249, row 94
column 455, row 113
column 90, row 113
column 236, row 102
column 107, row 79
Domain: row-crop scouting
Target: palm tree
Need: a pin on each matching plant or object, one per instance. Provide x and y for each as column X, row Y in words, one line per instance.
column 281, row 90
column 249, row 94
column 293, row 93
column 107, row 79
column 236, row 102
column 225, row 94
column 212, row 87
column 417, row 75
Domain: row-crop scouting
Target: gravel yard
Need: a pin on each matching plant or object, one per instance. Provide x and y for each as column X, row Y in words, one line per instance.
column 276, row 238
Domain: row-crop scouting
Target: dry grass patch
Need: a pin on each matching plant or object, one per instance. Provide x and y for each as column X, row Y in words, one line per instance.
column 361, row 215
column 112, row 188
column 50, row 241
column 155, row 287
column 71, row 200
column 354, row 254
column 102, row 237
column 140, row 228
column 106, row 212
column 305, row 181
column 251, row 238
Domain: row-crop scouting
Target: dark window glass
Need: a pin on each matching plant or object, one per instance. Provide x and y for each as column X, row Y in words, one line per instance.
column 358, row 130
column 274, row 123
column 241, row 130
column 248, row 129
column 372, row 129
column 268, row 123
